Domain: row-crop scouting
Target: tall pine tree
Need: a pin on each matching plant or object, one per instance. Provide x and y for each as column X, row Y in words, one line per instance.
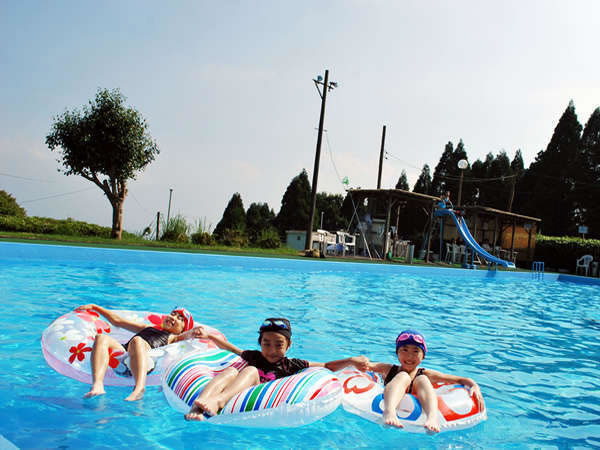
column 551, row 178
column 423, row 184
column 234, row 217
column 402, row 182
column 589, row 185
column 295, row 205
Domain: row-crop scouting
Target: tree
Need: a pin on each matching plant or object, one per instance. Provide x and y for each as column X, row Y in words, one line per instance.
column 258, row 218
column 550, row 179
column 9, row 206
column 588, row 186
column 295, row 204
column 331, row 207
column 439, row 182
column 234, row 217
column 423, row 184
column 402, row 182
column 107, row 143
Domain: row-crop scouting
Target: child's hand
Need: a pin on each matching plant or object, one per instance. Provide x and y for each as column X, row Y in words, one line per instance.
column 198, row 333
column 475, row 390
column 89, row 307
column 360, row 362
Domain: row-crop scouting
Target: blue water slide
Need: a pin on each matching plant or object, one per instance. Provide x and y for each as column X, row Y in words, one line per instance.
column 466, row 235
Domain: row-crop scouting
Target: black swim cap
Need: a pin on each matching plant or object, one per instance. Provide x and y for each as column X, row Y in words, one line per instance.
column 278, row 325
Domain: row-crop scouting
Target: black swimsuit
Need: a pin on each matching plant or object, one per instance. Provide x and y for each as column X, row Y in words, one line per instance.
column 153, row 336
column 394, row 371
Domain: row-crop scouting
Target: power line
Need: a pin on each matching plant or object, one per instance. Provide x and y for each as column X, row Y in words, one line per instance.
column 26, row 178
column 58, row 195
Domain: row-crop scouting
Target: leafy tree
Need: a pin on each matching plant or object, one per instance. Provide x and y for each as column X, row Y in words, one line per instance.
column 331, row 207
column 258, row 218
column 9, row 206
column 589, row 183
column 547, row 188
column 423, row 184
column 517, row 166
column 402, row 182
column 234, row 217
column 107, row 143
column 295, row 205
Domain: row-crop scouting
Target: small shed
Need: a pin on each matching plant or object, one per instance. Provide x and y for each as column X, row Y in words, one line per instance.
column 295, row 239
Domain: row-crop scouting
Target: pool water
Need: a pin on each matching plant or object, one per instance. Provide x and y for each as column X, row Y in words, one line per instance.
column 532, row 344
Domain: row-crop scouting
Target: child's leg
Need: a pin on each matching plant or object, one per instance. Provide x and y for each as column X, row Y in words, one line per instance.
column 222, row 388
column 138, row 350
column 428, row 399
column 392, row 395
column 102, row 344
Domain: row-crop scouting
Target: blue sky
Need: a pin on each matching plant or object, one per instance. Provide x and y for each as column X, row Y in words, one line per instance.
column 226, row 89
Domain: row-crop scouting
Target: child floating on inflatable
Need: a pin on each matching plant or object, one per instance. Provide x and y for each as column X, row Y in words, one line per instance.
column 176, row 326
column 409, row 378
column 270, row 363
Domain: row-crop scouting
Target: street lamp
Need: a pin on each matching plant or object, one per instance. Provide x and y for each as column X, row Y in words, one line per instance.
column 462, row 165
column 326, row 86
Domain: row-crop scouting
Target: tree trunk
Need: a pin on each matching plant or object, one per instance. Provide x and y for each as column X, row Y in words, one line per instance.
column 117, row 219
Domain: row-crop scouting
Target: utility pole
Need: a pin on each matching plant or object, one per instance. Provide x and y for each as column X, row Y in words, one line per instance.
column 381, row 158
column 169, row 210
column 512, row 193
column 326, row 87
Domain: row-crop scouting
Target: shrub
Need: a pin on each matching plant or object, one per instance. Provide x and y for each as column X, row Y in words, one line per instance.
column 176, row 231
column 234, row 238
column 9, row 206
column 562, row 252
column 46, row 225
column 203, row 238
column 268, row 238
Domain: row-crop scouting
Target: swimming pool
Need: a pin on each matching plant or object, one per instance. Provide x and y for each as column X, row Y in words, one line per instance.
column 531, row 344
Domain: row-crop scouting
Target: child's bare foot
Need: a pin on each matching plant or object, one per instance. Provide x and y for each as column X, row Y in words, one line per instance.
column 95, row 391
column 202, row 410
column 432, row 424
column 391, row 419
column 135, row 395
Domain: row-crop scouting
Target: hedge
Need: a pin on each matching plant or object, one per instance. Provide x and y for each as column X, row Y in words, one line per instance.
column 45, row 225
column 562, row 252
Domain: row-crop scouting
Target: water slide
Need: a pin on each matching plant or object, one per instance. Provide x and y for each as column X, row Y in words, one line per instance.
column 466, row 235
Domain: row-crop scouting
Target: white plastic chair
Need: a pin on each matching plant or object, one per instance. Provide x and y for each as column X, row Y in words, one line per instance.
column 584, row 263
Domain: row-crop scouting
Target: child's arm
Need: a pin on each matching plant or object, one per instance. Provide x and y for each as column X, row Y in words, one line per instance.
column 360, row 362
column 439, row 377
column 197, row 332
column 201, row 333
column 114, row 318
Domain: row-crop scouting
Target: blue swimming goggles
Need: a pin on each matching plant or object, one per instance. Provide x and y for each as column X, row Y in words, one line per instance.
column 275, row 323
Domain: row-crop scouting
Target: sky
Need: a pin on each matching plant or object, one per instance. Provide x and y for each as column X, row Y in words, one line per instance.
column 227, row 90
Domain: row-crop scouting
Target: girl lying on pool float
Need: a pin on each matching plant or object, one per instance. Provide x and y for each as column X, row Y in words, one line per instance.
column 176, row 326
column 270, row 363
column 409, row 378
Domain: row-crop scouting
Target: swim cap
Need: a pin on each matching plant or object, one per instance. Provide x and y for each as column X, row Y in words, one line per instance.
column 411, row 337
column 187, row 317
column 278, row 325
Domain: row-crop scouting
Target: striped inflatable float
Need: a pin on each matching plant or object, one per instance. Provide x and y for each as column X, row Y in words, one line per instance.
column 287, row 402
column 363, row 396
column 67, row 346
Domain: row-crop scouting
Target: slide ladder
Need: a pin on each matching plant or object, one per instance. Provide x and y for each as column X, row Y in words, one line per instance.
column 466, row 235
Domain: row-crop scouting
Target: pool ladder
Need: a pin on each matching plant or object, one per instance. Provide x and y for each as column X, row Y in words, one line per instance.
column 537, row 269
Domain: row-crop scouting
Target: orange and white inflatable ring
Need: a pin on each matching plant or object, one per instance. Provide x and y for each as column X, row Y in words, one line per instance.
column 363, row 396
column 67, row 346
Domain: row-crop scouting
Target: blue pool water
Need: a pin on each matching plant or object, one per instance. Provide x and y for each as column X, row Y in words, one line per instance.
column 531, row 344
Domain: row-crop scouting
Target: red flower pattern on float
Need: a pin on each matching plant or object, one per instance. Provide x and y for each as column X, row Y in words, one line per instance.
column 78, row 352
column 113, row 362
column 92, row 316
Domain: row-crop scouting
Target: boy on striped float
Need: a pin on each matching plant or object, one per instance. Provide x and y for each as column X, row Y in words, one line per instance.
column 409, row 378
column 176, row 326
column 270, row 363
